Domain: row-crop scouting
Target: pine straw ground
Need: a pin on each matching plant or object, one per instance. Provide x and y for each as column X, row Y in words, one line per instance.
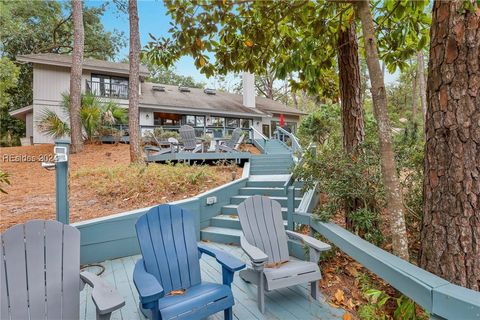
column 101, row 183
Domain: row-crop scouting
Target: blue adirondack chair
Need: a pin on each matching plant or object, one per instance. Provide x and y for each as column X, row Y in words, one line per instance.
column 170, row 263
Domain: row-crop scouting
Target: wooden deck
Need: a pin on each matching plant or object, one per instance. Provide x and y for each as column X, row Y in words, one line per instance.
column 288, row 303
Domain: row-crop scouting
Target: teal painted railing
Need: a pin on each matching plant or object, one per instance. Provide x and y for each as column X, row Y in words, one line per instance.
column 442, row 299
column 296, row 147
column 259, row 140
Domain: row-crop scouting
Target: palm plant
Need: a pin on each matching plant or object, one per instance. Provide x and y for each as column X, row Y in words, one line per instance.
column 94, row 114
column 51, row 124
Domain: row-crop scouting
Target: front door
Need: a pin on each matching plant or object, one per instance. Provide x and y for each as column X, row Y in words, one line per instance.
column 266, row 130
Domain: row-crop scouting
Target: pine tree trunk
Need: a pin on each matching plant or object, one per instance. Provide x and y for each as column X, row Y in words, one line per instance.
column 421, row 83
column 391, row 183
column 76, row 78
column 450, row 235
column 133, row 84
column 414, row 99
column 351, row 100
column 350, row 89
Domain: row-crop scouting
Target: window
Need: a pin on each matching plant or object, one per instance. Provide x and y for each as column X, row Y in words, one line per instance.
column 194, row 121
column 233, row 123
column 108, row 86
column 200, row 121
column 166, row 119
column 217, row 121
column 190, row 120
column 246, row 123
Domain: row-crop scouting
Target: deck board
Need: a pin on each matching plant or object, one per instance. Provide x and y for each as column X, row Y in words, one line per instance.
column 287, row 303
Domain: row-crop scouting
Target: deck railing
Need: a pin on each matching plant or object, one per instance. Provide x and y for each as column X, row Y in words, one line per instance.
column 107, row 90
column 440, row 298
column 258, row 139
column 281, row 135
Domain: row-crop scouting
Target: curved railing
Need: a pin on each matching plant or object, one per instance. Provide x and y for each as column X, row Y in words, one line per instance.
column 296, row 147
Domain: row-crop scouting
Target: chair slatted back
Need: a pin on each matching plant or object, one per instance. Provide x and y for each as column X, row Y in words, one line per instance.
column 167, row 238
column 188, row 137
column 236, row 134
column 40, row 271
column 262, row 225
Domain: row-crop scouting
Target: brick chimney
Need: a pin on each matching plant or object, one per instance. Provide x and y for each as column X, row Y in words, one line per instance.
column 249, row 90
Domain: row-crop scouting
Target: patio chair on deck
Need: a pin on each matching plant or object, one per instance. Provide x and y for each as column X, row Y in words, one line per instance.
column 264, row 240
column 40, row 274
column 189, row 139
column 168, row 275
column 233, row 143
column 169, row 146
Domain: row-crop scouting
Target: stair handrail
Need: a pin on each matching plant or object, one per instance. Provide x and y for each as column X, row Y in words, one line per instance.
column 262, row 136
column 259, row 133
column 296, row 147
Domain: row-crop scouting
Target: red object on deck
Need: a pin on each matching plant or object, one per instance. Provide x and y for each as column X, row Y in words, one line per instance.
column 282, row 120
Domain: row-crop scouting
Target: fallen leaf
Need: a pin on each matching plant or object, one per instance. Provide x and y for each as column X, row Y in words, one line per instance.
column 339, row 296
column 351, row 271
column 347, row 316
column 350, row 304
column 249, row 43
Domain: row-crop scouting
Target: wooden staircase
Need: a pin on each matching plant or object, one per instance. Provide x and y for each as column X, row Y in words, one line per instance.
column 269, row 173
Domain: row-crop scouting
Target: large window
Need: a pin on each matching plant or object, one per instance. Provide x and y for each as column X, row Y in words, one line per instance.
column 194, row 121
column 233, row 123
column 166, row 119
column 217, row 121
column 108, row 86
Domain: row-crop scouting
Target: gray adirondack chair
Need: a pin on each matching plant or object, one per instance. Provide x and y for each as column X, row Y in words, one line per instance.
column 169, row 146
column 189, row 140
column 40, row 274
column 264, row 240
column 233, row 143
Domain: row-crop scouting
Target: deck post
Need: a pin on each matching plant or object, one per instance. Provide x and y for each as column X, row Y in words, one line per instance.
column 290, row 206
column 61, row 181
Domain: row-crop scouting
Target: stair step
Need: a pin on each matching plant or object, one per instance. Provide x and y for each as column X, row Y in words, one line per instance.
column 281, row 200
column 221, row 235
column 231, row 210
column 269, row 171
column 229, row 221
column 266, row 191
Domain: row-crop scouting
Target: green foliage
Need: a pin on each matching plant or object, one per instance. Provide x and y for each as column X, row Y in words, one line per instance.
column 4, row 179
column 162, row 75
column 375, row 308
column 29, row 27
column 96, row 117
column 50, row 123
column 11, row 127
column 403, row 29
column 343, row 178
column 318, row 125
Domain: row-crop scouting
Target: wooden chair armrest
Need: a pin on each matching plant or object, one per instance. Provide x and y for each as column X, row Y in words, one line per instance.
column 226, row 260
column 148, row 287
column 311, row 242
column 257, row 256
column 105, row 297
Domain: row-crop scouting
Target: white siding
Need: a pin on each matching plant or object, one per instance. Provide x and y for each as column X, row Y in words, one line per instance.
column 29, row 125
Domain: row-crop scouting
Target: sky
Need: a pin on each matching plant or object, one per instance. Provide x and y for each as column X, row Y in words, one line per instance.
column 153, row 19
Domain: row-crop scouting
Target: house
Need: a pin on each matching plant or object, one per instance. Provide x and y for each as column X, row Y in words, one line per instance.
column 166, row 106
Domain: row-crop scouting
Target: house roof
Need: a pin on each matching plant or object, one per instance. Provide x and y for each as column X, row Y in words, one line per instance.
column 21, row 112
column 196, row 100
column 88, row 64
